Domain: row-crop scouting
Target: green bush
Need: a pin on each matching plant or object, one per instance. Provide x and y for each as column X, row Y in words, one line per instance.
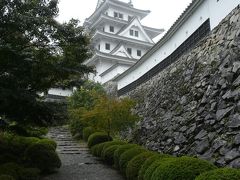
column 45, row 159
column 220, row 174
column 76, row 127
column 29, row 173
column 107, row 154
column 135, row 165
column 96, row 150
column 49, row 143
column 87, row 132
column 148, row 163
column 111, row 143
column 6, row 177
column 149, row 171
column 128, row 156
column 97, row 138
column 11, row 169
column 183, row 168
column 6, row 158
column 119, row 151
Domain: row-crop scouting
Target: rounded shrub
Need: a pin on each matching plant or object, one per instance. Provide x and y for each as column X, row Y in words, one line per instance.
column 119, row 151
column 149, row 171
column 49, row 143
column 111, row 143
column 87, row 132
column 10, row 169
column 96, row 150
column 97, row 138
column 107, row 154
column 135, row 165
column 43, row 158
column 6, row 158
column 6, row 177
column 148, row 163
column 29, row 173
column 183, row 168
column 128, row 156
column 220, row 174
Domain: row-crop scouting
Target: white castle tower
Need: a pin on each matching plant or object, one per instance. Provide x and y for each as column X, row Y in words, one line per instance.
column 118, row 38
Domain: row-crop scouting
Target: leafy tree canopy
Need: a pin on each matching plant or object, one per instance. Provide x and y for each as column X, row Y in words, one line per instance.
column 36, row 53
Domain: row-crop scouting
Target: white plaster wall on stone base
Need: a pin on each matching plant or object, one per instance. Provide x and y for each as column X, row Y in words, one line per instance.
column 118, row 70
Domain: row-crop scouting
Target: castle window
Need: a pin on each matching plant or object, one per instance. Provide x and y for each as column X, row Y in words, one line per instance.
column 99, row 47
column 120, row 16
column 107, row 46
column 131, row 32
column 139, row 53
column 115, row 14
column 136, row 33
column 129, row 18
column 129, row 50
column 111, row 28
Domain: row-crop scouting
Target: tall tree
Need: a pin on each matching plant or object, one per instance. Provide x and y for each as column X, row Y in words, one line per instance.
column 36, row 53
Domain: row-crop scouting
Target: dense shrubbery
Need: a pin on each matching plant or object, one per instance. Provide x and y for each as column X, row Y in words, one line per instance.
column 148, row 163
column 87, row 132
column 97, row 138
column 220, row 174
column 183, row 168
column 107, row 154
column 127, row 156
column 96, row 150
column 16, row 151
column 134, row 166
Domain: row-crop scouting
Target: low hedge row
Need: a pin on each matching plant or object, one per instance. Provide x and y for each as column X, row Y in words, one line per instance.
column 17, row 152
column 137, row 163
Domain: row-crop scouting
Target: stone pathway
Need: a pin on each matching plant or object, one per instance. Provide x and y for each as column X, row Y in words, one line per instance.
column 77, row 162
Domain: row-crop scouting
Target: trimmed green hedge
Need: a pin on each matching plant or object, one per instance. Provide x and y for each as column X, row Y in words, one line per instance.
column 107, row 154
column 220, row 174
column 49, row 143
column 183, row 168
column 45, row 159
column 97, row 138
column 96, row 150
column 119, row 151
column 6, row 177
column 135, row 165
column 18, row 172
column 127, row 156
column 148, row 163
column 87, row 132
column 111, row 143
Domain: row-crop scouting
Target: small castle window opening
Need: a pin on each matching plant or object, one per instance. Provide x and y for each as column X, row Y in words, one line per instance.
column 107, row 46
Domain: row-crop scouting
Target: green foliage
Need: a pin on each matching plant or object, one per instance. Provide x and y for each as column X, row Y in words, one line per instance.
column 87, row 132
column 97, row 138
column 25, row 130
column 6, row 177
column 119, row 151
column 108, row 153
column 183, row 168
column 148, row 163
column 134, row 166
column 150, row 170
column 96, row 150
column 111, row 143
column 18, row 172
column 45, row 159
column 7, row 157
column 111, row 115
column 48, row 143
column 128, row 156
column 220, row 174
column 37, row 53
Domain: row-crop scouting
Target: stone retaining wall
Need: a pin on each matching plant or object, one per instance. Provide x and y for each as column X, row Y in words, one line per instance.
column 193, row 106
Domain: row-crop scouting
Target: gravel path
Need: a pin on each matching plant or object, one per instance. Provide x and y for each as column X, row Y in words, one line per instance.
column 77, row 162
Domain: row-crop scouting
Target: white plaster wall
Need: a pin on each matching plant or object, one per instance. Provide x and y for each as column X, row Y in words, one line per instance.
column 140, row 37
column 118, row 70
column 208, row 9
column 107, row 28
column 102, row 46
column 134, row 51
column 60, row 92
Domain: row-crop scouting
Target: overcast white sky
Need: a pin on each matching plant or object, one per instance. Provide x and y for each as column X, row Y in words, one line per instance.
column 163, row 12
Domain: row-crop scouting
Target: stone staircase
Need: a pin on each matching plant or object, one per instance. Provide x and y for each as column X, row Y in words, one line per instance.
column 65, row 142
